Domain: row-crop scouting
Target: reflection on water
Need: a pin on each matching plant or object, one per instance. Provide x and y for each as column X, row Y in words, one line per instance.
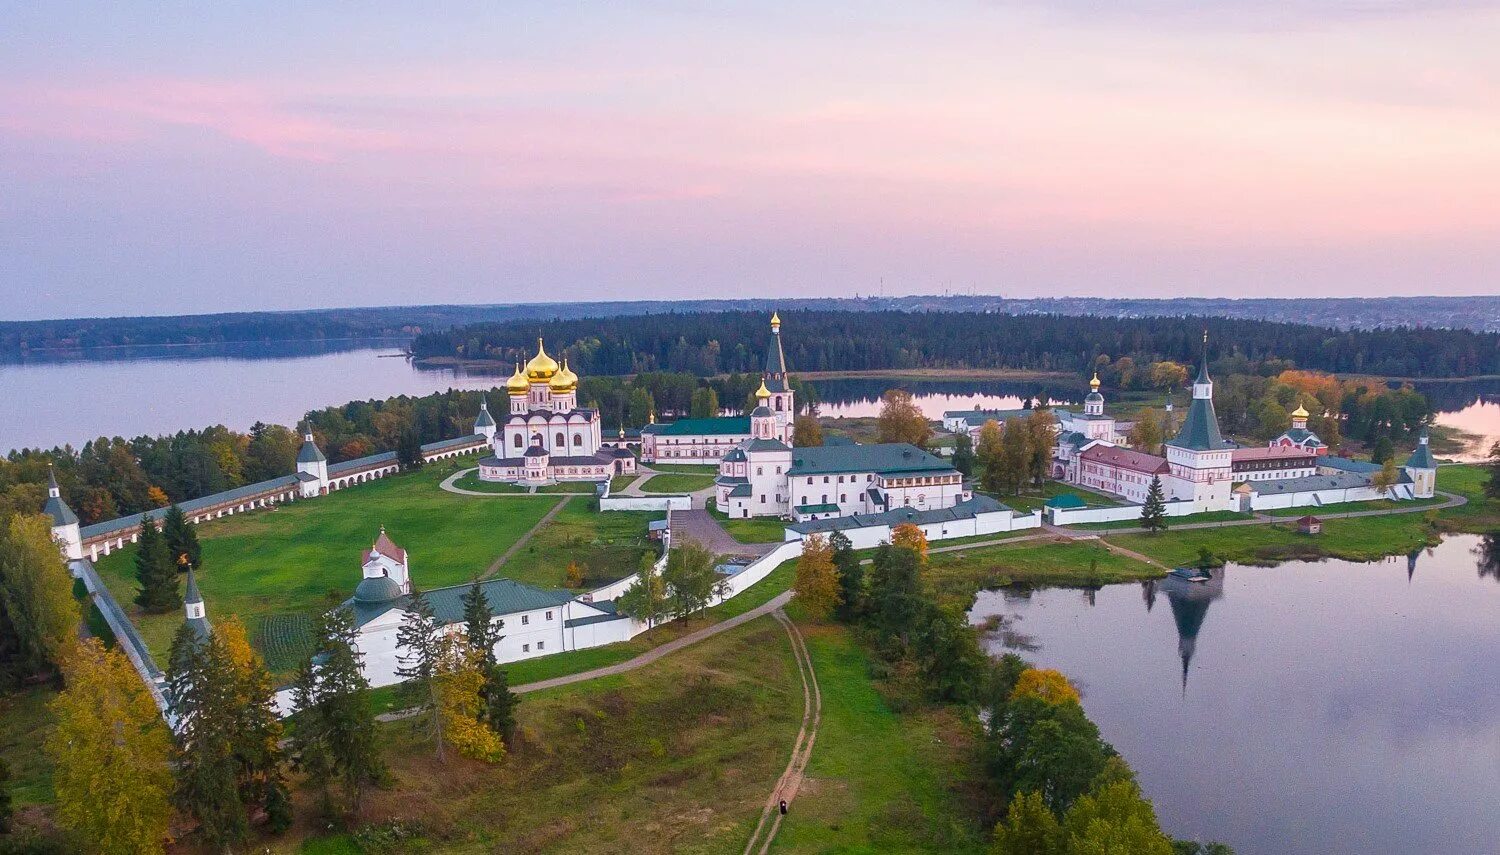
column 1314, row 707
column 858, row 398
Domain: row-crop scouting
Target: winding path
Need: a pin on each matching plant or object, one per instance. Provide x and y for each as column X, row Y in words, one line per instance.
column 523, row 539
column 812, row 715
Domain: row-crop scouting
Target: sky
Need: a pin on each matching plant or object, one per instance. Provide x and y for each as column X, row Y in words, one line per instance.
column 168, row 157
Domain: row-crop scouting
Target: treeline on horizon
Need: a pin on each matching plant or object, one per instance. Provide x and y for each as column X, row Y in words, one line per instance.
column 735, row 342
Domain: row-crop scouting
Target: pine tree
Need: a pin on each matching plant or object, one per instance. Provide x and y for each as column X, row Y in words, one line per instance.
column 257, row 730
column 963, row 454
column 1029, row 828
column 1383, row 450
column 852, row 597
column 155, row 572
column 409, row 450
column 500, row 702
column 479, row 622
column 204, row 705
column 1154, row 511
column 182, row 540
column 110, row 753
column 420, row 639
column 335, row 739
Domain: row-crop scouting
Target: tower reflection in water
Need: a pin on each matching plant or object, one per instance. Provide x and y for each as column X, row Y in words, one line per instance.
column 1189, row 602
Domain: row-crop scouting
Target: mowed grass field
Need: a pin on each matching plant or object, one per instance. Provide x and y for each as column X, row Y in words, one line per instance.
column 292, row 561
column 607, row 546
column 960, row 573
column 1354, row 539
column 676, row 482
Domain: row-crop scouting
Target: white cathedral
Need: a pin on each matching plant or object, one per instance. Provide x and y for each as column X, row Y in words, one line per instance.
column 546, row 437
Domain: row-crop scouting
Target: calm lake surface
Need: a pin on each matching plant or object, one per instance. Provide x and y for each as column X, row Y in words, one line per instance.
column 1326, row 707
column 56, row 399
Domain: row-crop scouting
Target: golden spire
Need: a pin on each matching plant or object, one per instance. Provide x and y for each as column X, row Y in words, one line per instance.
column 762, row 393
column 1094, row 383
column 1300, row 413
column 775, row 321
column 516, row 385
column 541, row 367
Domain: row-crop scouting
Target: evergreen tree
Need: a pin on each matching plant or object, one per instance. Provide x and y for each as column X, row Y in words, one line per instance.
column 479, row 622
column 420, row 639
column 182, row 540
column 204, row 704
column 409, row 450
column 1154, row 511
column 335, row 739
column 499, row 702
column 155, row 572
column 1029, row 828
column 1384, row 449
column 895, row 594
column 257, row 730
column 963, row 454
column 852, row 597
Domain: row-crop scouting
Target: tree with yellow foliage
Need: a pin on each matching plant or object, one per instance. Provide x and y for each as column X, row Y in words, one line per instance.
column 110, row 750
column 1046, row 684
column 909, row 536
column 817, row 582
column 901, row 420
column 36, row 590
column 458, row 683
column 573, row 577
column 257, row 728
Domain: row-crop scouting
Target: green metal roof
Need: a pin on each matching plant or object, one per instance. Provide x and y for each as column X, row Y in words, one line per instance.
column 885, row 459
column 828, row 508
column 505, row 596
column 1422, row 457
column 310, row 453
column 1066, row 500
column 725, row 425
column 1200, row 430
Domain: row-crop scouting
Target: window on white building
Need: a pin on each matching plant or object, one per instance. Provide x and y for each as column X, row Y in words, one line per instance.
column 549, row 616
column 525, row 648
column 541, row 645
column 525, row 619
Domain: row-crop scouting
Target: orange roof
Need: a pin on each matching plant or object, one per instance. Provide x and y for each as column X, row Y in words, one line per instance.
column 1272, row 453
column 1125, row 458
column 387, row 547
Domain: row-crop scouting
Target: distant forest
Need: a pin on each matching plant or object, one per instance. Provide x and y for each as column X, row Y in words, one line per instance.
column 19, row 338
column 732, row 342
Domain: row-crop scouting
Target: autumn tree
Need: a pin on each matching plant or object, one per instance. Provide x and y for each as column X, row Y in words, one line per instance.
column 817, row 582
column 36, row 600
column 1168, row 375
column 1046, row 684
column 110, row 752
column 806, row 431
column 909, row 536
column 1154, row 511
column 1146, row 434
column 988, row 455
column 182, row 540
column 460, row 681
column 1387, row 477
column 901, row 420
column 155, row 572
column 1114, row 817
column 705, row 403
column 257, row 728
column 573, row 575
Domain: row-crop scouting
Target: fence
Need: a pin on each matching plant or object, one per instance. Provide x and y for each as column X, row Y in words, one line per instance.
column 1074, row 516
column 645, row 503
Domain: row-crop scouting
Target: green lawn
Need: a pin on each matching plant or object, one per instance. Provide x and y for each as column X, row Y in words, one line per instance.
column 751, row 529
column 1480, row 515
column 620, row 482
column 293, row 560
column 607, row 546
column 1356, row 539
column 1135, row 522
column 471, row 482
column 984, row 538
column 685, row 468
column 959, row 574
column 25, row 723
column 674, row 757
column 881, row 781
column 573, row 487
column 676, row 483
column 1348, row 507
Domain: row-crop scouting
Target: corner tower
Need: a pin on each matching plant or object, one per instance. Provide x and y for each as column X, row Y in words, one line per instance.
column 65, row 529
column 1198, row 456
column 781, row 400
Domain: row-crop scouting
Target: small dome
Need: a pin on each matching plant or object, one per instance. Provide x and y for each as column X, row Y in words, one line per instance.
column 517, row 384
column 1300, row 413
column 762, row 392
column 564, row 380
column 376, row 589
column 775, row 320
column 1094, row 397
column 541, row 367
column 1094, row 383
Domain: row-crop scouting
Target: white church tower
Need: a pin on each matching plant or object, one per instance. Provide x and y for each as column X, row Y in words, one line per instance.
column 385, row 568
column 781, row 400
column 763, row 421
column 1422, row 469
column 312, row 466
column 193, row 609
column 1198, row 456
column 65, row 529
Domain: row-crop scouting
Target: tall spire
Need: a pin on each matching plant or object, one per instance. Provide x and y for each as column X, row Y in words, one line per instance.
column 775, row 373
column 56, row 508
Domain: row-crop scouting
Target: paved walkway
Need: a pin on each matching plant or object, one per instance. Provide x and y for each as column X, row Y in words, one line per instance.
column 700, row 525
column 523, row 539
column 812, row 715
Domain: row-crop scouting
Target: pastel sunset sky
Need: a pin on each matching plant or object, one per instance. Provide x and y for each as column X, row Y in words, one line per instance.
column 185, row 157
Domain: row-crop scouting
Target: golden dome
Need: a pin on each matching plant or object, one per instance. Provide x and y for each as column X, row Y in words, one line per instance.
column 1094, row 383
column 517, row 384
column 541, row 367
column 775, row 320
column 1300, row 413
column 762, row 393
column 564, row 380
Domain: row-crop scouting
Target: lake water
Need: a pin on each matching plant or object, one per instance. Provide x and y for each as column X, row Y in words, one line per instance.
column 53, row 400
column 1314, row 707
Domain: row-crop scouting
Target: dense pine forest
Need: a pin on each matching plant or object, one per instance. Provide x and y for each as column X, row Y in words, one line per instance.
column 731, row 342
